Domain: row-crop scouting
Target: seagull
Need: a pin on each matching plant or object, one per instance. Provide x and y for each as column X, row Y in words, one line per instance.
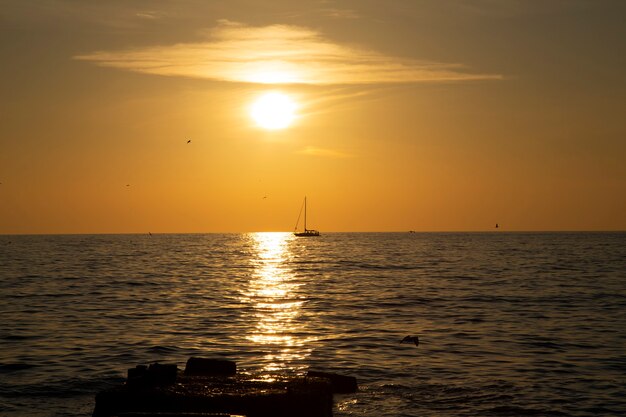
column 409, row 339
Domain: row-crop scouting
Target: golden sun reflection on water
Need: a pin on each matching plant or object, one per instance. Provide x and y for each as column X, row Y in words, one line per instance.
column 274, row 293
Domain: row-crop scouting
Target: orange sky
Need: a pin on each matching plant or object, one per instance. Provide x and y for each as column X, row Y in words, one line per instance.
column 411, row 115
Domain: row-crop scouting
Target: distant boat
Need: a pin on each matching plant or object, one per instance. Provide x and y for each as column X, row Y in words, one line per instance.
column 306, row 232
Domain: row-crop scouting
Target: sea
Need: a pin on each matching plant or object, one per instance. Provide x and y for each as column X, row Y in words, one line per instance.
column 509, row 324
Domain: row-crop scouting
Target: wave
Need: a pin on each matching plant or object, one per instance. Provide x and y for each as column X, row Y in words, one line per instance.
column 14, row 367
column 511, row 410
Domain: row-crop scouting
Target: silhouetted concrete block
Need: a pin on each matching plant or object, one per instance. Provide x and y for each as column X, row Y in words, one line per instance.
column 150, row 392
column 155, row 374
column 208, row 367
column 137, row 373
column 140, row 414
column 339, row 383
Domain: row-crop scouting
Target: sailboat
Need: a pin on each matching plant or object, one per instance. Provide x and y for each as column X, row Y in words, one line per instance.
column 307, row 232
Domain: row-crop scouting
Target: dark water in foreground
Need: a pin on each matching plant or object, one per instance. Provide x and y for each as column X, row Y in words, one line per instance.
column 511, row 324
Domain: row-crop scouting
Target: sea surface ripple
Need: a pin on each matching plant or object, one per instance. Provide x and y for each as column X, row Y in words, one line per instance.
column 510, row 324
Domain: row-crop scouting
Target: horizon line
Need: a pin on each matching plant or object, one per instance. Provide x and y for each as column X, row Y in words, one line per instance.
column 322, row 233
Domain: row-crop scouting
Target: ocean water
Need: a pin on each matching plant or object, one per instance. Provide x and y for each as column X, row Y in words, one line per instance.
column 510, row 324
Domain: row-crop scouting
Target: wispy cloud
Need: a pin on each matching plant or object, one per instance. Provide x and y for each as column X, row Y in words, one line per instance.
column 340, row 13
column 279, row 54
column 150, row 15
column 326, row 153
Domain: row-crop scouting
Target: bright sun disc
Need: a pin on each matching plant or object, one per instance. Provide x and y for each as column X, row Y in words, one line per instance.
column 273, row 111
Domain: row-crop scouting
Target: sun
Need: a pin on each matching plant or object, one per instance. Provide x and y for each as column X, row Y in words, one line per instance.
column 273, row 111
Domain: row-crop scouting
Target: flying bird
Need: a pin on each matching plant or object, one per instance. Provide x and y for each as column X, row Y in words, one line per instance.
column 411, row 339
column 188, row 140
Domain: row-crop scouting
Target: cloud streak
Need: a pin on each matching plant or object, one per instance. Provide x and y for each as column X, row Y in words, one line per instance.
column 340, row 13
column 278, row 54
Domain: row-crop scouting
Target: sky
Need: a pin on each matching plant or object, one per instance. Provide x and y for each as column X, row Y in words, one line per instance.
column 425, row 115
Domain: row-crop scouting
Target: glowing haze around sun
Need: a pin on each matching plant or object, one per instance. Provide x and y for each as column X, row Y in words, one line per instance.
column 273, row 111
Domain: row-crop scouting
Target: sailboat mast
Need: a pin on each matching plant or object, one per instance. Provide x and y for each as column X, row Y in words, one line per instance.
column 306, row 232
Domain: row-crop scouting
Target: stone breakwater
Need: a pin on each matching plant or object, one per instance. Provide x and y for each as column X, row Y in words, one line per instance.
column 213, row 387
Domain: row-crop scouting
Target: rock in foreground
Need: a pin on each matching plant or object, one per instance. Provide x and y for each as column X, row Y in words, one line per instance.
column 213, row 386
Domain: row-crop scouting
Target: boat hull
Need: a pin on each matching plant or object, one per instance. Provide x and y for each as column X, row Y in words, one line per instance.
column 307, row 233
